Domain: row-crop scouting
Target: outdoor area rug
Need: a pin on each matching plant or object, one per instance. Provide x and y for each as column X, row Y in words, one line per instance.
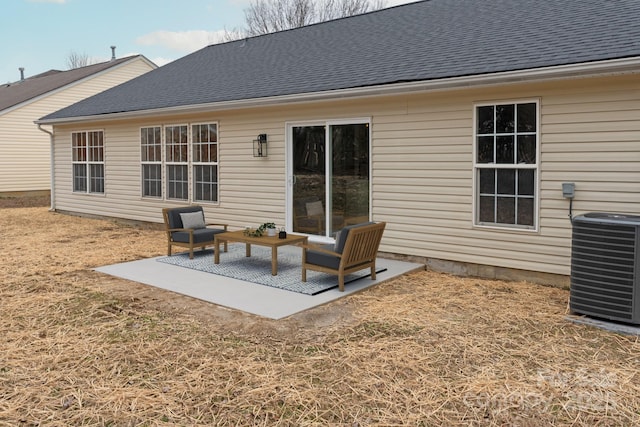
column 257, row 268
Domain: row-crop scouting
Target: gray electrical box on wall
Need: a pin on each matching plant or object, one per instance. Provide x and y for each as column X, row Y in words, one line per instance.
column 568, row 190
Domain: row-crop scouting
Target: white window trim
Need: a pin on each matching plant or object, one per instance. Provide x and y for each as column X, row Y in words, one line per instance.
column 189, row 163
column 165, row 175
column 193, row 163
column 289, row 125
column 477, row 167
column 147, row 162
column 88, row 163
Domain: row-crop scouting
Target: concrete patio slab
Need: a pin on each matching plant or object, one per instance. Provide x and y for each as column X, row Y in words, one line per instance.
column 249, row 297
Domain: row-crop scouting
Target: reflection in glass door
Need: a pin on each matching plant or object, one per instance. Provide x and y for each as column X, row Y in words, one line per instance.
column 309, row 172
column 330, row 185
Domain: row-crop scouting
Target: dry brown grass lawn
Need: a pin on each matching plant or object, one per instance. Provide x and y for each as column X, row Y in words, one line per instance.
column 83, row 348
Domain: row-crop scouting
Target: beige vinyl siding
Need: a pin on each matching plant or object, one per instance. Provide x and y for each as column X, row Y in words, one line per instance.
column 25, row 150
column 605, row 168
column 250, row 188
column 422, row 167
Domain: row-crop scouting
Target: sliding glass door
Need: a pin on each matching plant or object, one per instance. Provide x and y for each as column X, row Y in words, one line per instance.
column 328, row 176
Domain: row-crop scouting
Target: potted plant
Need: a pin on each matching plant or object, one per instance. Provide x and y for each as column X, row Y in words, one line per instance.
column 267, row 227
column 270, row 227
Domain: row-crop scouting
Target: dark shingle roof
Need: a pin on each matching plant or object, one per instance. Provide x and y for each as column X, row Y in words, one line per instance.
column 21, row 91
column 426, row 40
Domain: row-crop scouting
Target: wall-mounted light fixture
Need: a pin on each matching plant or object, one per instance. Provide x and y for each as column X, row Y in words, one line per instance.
column 260, row 146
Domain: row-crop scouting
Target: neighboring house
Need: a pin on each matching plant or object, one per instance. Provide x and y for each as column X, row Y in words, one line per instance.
column 25, row 150
column 454, row 121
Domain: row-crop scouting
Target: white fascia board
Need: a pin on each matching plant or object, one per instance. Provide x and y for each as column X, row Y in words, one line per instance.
column 583, row 70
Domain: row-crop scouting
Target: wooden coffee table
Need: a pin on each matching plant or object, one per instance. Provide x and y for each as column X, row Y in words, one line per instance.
column 272, row 242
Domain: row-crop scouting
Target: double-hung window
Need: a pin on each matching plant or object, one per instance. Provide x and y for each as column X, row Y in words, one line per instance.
column 177, row 161
column 204, row 139
column 180, row 162
column 151, row 157
column 506, row 164
column 88, row 161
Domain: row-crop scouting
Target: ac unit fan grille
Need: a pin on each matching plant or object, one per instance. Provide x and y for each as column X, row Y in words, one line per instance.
column 602, row 270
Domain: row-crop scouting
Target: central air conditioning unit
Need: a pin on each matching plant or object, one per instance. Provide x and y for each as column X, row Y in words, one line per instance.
column 605, row 279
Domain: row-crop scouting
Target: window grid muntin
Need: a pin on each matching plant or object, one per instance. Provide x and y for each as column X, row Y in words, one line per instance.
column 176, row 145
column 497, row 195
column 96, row 178
column 152, row 180
column 79, row 177
column 177, row 182
column 151, row 144
column 192, row 145
column 95, row 147
column 151, row 161
column 517, row 134
column 79, row 147
column 204, row 145
column 87, row 161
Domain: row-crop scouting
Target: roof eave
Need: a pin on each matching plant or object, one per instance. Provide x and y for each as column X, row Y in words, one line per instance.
column 592, row 69
column 77, row 82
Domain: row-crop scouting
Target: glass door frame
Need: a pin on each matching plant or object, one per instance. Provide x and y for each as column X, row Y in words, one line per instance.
column 289, row 175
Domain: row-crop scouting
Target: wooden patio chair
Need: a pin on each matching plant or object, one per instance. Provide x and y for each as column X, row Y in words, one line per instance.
column 187, row 228
column 355, row 249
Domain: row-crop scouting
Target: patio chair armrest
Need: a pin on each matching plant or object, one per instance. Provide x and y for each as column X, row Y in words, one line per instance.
column 218, row 224
column 320, row 249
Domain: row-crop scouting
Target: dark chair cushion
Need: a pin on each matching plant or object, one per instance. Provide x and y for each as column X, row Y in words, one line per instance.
column 323, row 259
column 174, row 215
column 341, row 237
column 199, row 235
